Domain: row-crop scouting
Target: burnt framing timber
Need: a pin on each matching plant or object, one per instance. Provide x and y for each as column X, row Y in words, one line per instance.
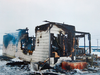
column 82, row 34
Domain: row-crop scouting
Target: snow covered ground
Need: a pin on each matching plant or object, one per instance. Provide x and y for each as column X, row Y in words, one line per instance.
column 7, row 70
column 97, row 53
column 15, row 70
column 0, row 52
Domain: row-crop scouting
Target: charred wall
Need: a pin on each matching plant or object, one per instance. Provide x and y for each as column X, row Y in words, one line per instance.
column 62, row 39
column 11, row 40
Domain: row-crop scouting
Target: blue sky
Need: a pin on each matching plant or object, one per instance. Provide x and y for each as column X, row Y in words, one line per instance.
column 83, row 14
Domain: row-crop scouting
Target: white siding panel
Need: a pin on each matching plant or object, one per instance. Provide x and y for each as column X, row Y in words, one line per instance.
column 42, row 44
column 43, row 35
column 10, row 50
column 41, row 47
column 42, row 40
column 41, row 52
column 42, row 32
column 41, row 56
column 38, row 59
column 56, row 30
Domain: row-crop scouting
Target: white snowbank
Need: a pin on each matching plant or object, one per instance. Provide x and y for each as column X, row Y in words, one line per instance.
column 16, row 59
column 98, row 53
column 63, row 59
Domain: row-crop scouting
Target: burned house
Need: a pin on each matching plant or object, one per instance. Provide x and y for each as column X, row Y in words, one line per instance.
column 52, row 40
